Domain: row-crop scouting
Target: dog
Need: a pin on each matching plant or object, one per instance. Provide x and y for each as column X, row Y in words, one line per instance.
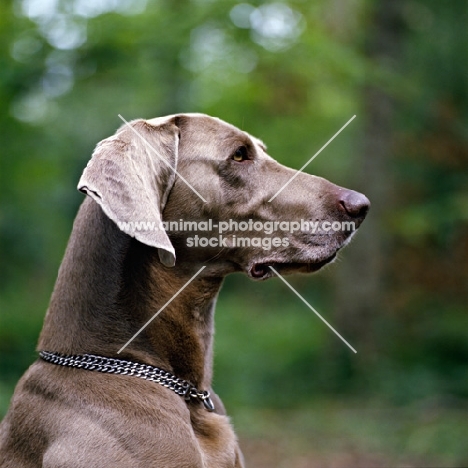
column 125, row 368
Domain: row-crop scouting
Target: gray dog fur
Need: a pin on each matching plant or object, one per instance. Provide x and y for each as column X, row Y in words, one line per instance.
column 110, row 283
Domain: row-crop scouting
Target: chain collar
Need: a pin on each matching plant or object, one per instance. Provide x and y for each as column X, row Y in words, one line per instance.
column 144, row 371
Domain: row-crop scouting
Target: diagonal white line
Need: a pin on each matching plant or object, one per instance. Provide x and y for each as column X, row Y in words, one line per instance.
column 312, row 309
column 312, row 158
column 161, row 309
column 160, row 157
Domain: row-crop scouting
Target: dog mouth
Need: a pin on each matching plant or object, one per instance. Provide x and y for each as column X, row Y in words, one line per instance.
column 261, row 271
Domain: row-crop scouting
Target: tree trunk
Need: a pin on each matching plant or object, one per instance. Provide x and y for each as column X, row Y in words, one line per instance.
column 361, row 296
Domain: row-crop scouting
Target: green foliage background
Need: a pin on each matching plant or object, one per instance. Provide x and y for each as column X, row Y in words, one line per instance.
column 291, row 73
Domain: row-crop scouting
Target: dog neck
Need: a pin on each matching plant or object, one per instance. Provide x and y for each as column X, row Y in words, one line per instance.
column 109, row 286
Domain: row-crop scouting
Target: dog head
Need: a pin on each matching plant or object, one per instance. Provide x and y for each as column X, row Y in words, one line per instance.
column 195, row 187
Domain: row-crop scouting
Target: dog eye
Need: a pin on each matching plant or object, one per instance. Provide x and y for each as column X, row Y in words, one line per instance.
column 240, row 154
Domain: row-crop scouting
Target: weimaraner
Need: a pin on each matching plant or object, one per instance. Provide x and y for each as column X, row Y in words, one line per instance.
column 84, row 404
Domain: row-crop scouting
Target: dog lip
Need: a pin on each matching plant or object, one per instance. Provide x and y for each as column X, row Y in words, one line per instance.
column 316, row 266
column 263, row 271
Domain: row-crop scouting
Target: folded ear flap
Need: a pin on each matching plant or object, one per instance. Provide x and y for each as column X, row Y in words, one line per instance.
column 131, row 174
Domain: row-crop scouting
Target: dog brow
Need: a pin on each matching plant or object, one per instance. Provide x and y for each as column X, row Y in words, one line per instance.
column 258, row 142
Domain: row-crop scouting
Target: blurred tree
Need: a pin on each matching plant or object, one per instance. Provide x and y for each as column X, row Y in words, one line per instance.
column 363, row 284
column 291, row 73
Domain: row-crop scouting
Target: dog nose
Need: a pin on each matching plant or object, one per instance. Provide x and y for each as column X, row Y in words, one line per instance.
column 355, row 204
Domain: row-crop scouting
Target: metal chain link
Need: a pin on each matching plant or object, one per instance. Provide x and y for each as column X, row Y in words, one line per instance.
column 119, row 366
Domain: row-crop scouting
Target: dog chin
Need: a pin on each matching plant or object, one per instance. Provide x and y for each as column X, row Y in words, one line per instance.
column 265, row 270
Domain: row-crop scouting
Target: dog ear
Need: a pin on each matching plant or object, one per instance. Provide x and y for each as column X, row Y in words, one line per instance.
column 131, row 174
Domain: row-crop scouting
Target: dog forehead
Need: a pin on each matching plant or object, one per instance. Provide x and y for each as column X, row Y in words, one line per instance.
column 211, row 125
column 210, row 129
column 196, row 122
column 217, row 127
